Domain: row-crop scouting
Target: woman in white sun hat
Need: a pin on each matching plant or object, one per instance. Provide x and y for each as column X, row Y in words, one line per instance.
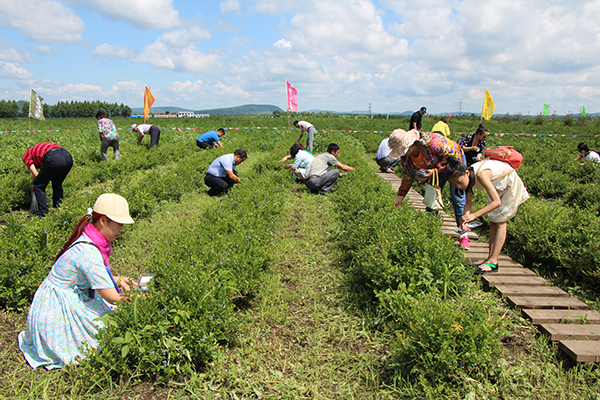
column 422, row 153
column 67, row 305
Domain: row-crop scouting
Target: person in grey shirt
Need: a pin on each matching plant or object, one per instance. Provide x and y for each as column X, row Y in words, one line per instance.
column 319, row 178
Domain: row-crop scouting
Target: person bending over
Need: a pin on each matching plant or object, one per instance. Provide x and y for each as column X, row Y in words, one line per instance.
column 505, row 193
column 210, row 139
column 147, row 129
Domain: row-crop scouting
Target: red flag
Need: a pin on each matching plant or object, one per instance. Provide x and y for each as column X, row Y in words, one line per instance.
column 148, row 101
column 292, row 98
column 448, row 116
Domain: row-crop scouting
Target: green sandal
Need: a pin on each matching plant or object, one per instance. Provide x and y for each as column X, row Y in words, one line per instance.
column 480, row 271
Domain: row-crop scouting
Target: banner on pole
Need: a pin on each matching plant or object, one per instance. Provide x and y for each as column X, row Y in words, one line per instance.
column 546, row 109
column 488, row 106
column 35, row 106
column 292, row 97
column 149, row 99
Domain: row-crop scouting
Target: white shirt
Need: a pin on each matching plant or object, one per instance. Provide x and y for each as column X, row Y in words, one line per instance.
column 592, row 156
column 384, row 149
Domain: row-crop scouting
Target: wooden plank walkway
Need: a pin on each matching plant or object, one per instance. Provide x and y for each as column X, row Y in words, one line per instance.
column 565, row 319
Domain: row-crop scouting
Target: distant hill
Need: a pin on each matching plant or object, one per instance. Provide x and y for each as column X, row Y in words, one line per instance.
column 247, row 109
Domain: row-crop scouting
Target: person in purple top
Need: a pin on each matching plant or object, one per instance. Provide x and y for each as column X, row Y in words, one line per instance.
column 210, row 139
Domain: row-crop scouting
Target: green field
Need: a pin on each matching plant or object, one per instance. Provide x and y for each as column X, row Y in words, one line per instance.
column 272, row 292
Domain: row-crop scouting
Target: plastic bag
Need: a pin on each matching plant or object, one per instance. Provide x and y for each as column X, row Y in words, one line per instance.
column 433, row 198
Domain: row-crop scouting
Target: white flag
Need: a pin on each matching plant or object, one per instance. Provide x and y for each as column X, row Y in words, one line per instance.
column 35, row 106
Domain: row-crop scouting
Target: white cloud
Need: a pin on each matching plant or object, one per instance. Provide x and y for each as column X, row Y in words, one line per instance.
column 275, row 6
column 229, row 6
column 185, row 37
column 143, row 14
column 283, row 44
column 108, row 50
column 9, row 70
column 45, row 21
column 12, row 54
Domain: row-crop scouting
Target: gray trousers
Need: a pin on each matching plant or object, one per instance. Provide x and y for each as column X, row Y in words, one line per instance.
column 310, row 136
column 109, row 142
column 324, row 182
column 387, row 162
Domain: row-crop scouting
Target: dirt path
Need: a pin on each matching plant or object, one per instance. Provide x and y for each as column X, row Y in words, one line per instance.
column 301, row 341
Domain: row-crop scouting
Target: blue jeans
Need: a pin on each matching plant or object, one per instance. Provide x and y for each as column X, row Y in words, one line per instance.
column 458, row 198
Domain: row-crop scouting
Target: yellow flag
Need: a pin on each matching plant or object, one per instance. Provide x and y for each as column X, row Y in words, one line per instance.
column 488, row 106
column 148, row 101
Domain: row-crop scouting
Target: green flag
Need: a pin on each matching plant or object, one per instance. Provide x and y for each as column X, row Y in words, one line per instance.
column 35, row 106
column 344, row 116
column 546, row 109
column 583, row 112
column 356, row 117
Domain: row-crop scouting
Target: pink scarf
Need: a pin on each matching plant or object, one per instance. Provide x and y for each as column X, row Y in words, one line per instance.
column 99, row 240
column 104, row 246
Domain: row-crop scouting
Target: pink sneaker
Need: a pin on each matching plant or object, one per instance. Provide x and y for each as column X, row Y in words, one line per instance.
column 465, row 242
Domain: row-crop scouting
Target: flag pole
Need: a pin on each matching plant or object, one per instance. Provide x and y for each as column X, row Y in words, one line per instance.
column 289, row 130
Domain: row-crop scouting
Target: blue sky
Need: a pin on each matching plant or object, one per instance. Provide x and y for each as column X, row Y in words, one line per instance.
column 341, row 55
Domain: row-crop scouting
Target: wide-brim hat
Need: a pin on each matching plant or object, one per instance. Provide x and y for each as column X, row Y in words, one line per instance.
column 400, row 140
column 115, row 207
column 133, row 126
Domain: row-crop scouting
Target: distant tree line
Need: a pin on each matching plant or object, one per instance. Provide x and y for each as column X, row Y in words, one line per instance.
column 66, row 109
column 9, row 109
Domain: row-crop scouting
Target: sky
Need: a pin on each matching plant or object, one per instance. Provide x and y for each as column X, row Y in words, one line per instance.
column 341, row 55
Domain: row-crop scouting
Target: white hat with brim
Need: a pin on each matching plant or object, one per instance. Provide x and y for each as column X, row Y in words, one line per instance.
column 115, row 207
column 400, row 140
column 133, row 126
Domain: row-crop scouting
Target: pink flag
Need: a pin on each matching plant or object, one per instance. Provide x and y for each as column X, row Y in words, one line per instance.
column 292, row 99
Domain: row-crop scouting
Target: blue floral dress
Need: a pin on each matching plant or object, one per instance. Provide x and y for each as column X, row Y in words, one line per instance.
column 63, row 315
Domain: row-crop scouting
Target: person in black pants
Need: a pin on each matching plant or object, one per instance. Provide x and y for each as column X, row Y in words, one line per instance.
column 54, row 163
column 221, row 175
column 147, row 129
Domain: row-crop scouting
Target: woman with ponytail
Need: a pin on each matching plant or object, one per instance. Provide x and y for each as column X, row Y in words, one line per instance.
column 67, row 306
column 505, row 193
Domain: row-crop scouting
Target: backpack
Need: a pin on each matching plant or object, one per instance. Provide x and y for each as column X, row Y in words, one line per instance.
column 504, row 153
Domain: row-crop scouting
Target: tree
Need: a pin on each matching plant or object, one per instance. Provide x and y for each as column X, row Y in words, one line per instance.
column 277, row 113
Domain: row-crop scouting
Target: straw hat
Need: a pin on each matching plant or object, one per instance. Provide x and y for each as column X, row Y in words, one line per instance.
column 115, row 207
column 400, row 140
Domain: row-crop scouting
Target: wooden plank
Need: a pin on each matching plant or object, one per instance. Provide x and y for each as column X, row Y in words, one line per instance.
column 546, row 302
column 570, row 331
column 562, row 316
column 483, row 254
column 583, row 351
column 452, row 232
column 492, row 279
column 539, row 291
column 514, row 271
column 502, row 263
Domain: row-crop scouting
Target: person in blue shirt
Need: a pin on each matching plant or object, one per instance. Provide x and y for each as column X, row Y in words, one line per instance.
column 221, row 175
column 210, row 139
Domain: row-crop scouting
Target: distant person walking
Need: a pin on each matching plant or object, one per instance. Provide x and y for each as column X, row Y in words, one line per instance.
column 109, row 137
column 585, row 154
column 319, row 178
column 147, row 129
column 310, row 132
column 415, row 119
column 54, row 163
column 442, row 127
column 210, row 139
column 221, row 175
